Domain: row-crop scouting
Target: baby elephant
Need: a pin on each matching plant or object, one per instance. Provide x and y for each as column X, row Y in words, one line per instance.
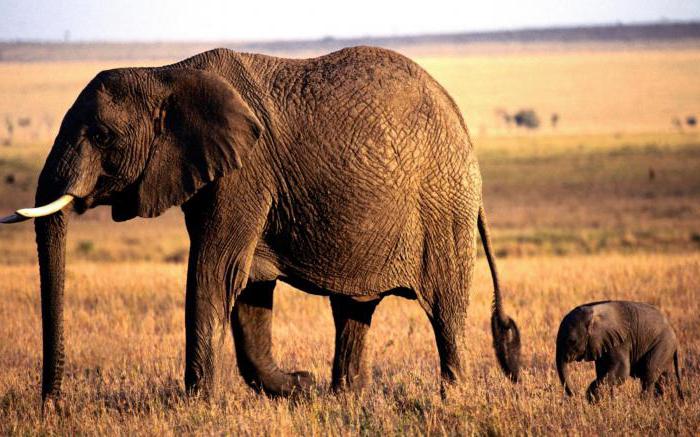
column 624, row 339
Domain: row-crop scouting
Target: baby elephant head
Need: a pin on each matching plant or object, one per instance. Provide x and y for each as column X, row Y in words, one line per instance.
column 585, row 334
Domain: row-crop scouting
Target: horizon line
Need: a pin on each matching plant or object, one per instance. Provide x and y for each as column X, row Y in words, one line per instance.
column 331, row 38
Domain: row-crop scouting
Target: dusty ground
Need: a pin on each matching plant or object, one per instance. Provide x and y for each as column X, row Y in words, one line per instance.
column 125, row 343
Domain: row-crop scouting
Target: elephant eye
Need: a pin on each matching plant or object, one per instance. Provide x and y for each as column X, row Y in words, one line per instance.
column 100, row 138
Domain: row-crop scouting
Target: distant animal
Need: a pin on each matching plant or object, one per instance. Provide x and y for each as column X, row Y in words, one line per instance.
column 350, row 175
column 554, row 119
column 624, row 339
column 677, row 123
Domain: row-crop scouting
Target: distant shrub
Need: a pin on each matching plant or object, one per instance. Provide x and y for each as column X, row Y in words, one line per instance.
column 527, row 118
column 691, row 120
column 179, row 256
column 10, row 179
column 85, row 247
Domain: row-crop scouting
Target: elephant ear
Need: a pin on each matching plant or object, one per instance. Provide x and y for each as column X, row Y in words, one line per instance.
column 203, row 131
column 605, row 331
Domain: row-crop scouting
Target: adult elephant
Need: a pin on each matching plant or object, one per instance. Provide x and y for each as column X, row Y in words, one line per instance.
column 350, row 175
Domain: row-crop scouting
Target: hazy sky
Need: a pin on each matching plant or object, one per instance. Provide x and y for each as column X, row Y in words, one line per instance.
column 144, row 20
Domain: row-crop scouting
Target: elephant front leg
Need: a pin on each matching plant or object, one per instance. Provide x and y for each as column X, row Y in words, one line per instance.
column 215, row 278
column 204, row 328
column 611, row 371
column 251, row 323
column 222, row 245
column 352, row 321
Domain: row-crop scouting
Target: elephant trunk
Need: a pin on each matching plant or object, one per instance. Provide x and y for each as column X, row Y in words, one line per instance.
column 563, row 370
column 65, row 177
column 51, row 247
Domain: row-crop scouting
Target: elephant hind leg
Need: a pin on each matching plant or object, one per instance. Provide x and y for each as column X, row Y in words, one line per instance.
column 656, row 365
column 661, row 383
column 655, row 380
column 448, row 257
column 251, row 323
column 447, row 313
column 352, row 322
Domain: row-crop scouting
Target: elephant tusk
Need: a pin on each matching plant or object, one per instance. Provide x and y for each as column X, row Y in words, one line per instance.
column 48, row 209
column 41, row 211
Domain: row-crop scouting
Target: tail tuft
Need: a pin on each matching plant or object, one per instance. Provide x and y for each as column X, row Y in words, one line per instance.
column 506, row 342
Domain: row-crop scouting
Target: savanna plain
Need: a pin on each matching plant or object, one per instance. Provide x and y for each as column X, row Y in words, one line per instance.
column 600, row 201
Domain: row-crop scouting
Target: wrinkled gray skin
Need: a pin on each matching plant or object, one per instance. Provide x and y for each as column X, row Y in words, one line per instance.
column 624, row 339
column 350, row 175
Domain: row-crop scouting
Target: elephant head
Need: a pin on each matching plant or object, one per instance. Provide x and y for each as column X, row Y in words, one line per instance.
column 585, row 334
column 141, row 140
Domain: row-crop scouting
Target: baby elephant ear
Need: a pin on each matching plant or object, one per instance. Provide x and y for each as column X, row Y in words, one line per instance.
column 204, row 130
column 605, row 331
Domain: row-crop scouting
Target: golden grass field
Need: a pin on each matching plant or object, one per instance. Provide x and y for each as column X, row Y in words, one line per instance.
column 575, row 217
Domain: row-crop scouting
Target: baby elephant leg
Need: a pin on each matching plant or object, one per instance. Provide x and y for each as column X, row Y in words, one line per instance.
column 662, row 382
column 611, row 370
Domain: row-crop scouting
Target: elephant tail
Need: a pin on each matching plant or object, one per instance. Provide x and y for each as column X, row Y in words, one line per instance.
column 676, row 367
column 506, row 336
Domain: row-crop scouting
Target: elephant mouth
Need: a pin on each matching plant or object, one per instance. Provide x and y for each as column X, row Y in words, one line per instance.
column 82, row 204
column 576, row 356
column 123, row 205
column 122, row 209
column 585, row 356
column 105, row 193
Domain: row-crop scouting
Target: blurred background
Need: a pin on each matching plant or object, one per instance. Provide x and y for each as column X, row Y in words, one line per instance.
column 584, row 116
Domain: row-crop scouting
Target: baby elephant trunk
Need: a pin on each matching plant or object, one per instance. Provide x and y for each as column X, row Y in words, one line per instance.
column 563, row 370
column 506, row 336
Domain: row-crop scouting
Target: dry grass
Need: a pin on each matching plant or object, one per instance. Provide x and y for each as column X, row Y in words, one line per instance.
column 125, row 348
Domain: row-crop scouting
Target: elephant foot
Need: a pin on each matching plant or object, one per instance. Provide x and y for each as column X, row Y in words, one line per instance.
column 51, row 405
column 287, row 384
column 348, row 384
column 593, row 396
